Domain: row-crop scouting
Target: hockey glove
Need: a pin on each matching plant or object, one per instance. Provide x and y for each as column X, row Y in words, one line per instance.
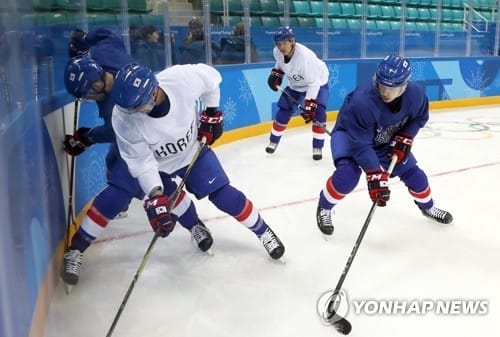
column 78, row 44
column 160, row 218
column 78, row 142
column 275, row 79
column 309, row 110
column 377, row 186
column 211, row 125
column 401, row 146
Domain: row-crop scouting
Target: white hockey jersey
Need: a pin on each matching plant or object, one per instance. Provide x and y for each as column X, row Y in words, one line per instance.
column 149, row 145
column 305, row 71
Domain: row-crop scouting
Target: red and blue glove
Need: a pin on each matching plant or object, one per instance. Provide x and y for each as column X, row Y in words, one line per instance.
column 309, row 110
column 160, row 218
column 401, row 146
column 78, row 142
column 211, row 125
column 275, row 79
column 378, row 186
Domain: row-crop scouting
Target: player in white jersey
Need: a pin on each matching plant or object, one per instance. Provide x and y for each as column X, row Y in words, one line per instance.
column 307, row 85
column 157, row 130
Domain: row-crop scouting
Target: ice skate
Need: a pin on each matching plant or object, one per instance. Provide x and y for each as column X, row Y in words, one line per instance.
column 438, row 215
column 324, row 220
column 317, row 155
column 271, row 147
column 272, row 244
column 72, row 261
column 202, row 236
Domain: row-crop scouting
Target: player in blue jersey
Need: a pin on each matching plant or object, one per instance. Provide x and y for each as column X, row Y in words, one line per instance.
column 157, row 132
column 307, row 82
column 377, row 120
column 92, row 79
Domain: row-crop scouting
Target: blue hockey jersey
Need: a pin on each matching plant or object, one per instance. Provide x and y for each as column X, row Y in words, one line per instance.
column 108, row 50
column 366, row 125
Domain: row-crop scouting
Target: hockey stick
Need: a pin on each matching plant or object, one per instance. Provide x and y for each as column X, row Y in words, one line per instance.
column 302, row 108
column 331, row 316
column 145, row 258
column 71, row 217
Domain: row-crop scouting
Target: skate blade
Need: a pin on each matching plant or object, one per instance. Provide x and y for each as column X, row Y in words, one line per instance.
column 67, row 287
column 208, row 252
column 121, row 215
column 281, row 261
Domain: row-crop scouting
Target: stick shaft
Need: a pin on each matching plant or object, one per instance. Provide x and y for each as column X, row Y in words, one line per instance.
column 360, row 237
column 294, row 101
column 147, row 254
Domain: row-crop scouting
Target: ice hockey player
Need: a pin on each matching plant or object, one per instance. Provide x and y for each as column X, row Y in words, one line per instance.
column 377, row 120
column 92, row 79
column 307, row 83
column 158, row 136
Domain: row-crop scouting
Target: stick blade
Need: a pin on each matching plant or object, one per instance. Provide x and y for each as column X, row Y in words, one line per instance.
column 340, row 324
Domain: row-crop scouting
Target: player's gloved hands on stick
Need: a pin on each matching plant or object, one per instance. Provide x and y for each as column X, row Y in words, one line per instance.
column 309, row 110
column 78, row 142
column 378, row 187
column 78, row 44
column 211, row 125
column 401, row 146
column 160, row 218
column 275, row 79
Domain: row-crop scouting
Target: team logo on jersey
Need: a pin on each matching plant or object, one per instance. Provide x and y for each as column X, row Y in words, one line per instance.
column 176, row 147
column 384, row 136
column 297, row 77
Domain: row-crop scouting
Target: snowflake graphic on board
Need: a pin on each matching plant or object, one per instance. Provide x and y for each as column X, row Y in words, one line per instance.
column 417, row 71
column 230, row 110
column 334, row 70
column 245, row 93
column 476, row 79
column 95, row 174
column 342, row 92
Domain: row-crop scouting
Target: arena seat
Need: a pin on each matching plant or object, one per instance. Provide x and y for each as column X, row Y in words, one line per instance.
column 334, row 9
column 300, row 8
column 269, row 8
column 270, row 21
column 339, row 23
column 383, row 24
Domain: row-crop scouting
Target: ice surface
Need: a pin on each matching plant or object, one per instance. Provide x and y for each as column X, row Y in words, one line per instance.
column 241, row 292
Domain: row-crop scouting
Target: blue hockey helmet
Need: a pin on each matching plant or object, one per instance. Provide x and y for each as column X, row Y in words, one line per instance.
column 79, row 75
column 284, row 33
column 393, row 71
column 133, row 87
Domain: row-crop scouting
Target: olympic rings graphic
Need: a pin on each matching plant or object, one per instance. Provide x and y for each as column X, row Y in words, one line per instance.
column 473, row 128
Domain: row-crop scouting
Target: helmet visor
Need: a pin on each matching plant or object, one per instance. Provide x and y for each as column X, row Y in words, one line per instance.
column 389, row 94
column 143, row 108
